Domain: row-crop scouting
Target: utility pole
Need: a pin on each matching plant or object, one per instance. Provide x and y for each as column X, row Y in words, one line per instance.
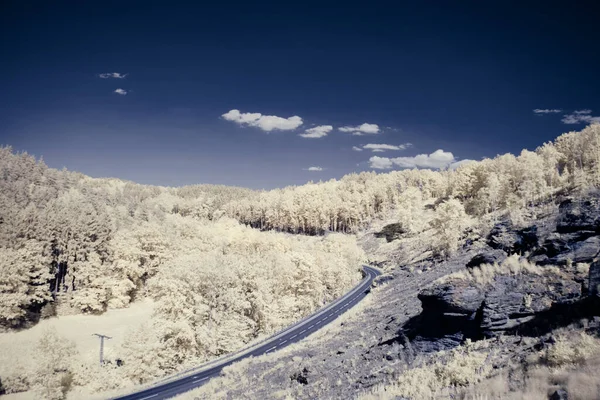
column 102, row 337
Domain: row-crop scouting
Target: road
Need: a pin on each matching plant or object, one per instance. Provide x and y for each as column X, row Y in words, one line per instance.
column 294, row 333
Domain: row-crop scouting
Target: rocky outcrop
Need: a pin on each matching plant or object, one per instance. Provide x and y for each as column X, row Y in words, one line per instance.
column 528, row 301
column 503, row 304
column 579, row 215
column 512, row 300
column 504, row 236
column 565, row 249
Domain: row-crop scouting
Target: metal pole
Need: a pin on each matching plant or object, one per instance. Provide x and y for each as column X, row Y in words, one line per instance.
column 102, row 337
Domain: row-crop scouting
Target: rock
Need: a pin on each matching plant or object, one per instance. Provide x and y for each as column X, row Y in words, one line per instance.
column 503, row 304
column 391, row 232
column 504, row 237
column 560, row 394
column 579, row 215
column 381, row 279
column 300, row 377
column 458, row 296
column 554, row 245
column 594, row 279
column 491, row 257
column 514, row 300
column 581, row 252
column 527, row 239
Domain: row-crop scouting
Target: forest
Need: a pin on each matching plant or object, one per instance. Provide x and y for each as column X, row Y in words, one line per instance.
column 226, row 265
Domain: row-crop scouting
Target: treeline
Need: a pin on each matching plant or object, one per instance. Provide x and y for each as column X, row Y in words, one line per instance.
column 571, row 162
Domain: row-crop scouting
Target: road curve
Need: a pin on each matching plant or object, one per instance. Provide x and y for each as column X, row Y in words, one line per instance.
column 294, row 333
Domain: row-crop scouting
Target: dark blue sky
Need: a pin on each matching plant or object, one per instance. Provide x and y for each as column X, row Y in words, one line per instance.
column 464, row 77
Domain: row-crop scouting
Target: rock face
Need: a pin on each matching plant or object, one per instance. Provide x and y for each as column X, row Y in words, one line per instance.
column 579, row 215
column 505, row 237
column 594, row 279
column 514, row 300
column 524, row 302
column 504, row 304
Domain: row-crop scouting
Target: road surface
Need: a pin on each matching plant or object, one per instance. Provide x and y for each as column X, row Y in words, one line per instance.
column 294, row 333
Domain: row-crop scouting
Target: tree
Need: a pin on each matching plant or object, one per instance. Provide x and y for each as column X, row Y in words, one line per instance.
column 54, row 360
column 449, row 223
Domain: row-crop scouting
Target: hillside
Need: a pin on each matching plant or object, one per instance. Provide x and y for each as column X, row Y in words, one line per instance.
column 224, row 266
column 76, row 246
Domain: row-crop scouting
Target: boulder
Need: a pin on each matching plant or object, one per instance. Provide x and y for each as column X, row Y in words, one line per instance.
column 489, row 257
column 456, row 297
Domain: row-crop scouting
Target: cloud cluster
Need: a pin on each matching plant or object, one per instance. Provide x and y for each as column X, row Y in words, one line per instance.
column 377, row 148
column 547, row 111
column 120, row 91
column 356, row 148
column 364, row 129
column 314, row 169
column 265, row 122
column 436, row 160
column 317, row 132
column 116, row 75
column 580, row 117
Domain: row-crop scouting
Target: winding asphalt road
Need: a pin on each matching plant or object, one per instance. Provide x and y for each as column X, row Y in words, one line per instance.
column 179, row 384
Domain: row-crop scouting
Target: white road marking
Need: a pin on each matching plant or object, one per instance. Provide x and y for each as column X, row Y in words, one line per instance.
column 200, row 380
column 283, row 341
column 149, row 397
column 293, row 337
column 274, row 347
column 311, row 326
column 301, row 332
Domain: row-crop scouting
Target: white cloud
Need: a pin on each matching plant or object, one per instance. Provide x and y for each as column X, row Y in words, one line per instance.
column 546, row 111
column 366, row 128
column 437, row 159
column 580, row 117
column 380, row 162
column 457, row 164
column 355, row 148
column 315, row 169
column 317, row 132
column 383, row 147
column 116, row 75
column 265, row 122
column 120, row 91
